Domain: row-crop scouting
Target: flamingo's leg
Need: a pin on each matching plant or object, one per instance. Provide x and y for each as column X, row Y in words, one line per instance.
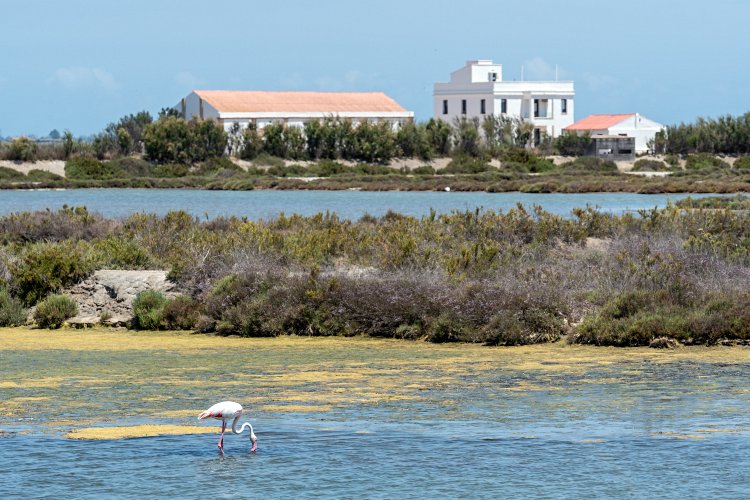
column 221, row 438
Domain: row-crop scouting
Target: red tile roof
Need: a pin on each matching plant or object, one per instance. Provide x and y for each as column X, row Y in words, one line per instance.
column 598, row 122
column 245, row 101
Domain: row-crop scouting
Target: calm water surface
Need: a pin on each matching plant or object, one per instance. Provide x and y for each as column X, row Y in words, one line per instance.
column 348, row 204
column 634, row 428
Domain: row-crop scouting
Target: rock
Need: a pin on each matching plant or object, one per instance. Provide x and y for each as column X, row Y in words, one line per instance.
column 113, row 291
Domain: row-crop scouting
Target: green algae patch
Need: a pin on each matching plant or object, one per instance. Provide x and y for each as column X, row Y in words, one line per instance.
column 136, row 431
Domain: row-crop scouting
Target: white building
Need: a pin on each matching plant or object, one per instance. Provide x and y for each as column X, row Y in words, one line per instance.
column 292, row 108
column 478, row 89
column 627, row 125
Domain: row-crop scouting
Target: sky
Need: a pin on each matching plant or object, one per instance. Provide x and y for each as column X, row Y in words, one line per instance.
column 81, row 64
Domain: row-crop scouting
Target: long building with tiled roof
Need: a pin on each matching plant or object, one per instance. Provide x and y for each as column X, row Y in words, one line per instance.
column 292, row 108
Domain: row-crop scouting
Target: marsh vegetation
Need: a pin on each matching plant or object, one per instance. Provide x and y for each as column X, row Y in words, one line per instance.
column 518, row 277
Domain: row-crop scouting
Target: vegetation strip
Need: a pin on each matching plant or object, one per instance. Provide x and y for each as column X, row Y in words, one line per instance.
column 658, row 277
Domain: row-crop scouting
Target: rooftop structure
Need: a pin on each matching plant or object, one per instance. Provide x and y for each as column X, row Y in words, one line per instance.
column 478, row 90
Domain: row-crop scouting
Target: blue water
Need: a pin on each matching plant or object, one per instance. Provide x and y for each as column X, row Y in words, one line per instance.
column 347, row 204
column 444, row 461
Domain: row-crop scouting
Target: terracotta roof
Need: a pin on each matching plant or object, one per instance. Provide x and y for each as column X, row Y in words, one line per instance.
column 598, row 122
column 245, row 101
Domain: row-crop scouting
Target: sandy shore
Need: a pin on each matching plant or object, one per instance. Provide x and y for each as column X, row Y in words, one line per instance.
column 54, row 166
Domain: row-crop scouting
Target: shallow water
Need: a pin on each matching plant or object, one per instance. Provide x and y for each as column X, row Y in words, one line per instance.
column 347, row 204
column 302, row 461
column 362, row 418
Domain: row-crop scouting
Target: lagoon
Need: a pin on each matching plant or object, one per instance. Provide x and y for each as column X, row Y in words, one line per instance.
column 369, row 418
column 268, row 204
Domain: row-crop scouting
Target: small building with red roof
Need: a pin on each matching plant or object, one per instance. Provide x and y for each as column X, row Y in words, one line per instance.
column 626, row 125
column 260, row 108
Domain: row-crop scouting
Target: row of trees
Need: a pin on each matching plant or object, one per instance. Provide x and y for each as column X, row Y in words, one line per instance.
column 334, row 138
column 171, row 139
column 724, row 135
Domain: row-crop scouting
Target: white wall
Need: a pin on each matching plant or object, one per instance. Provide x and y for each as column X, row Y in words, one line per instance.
column 640, row 127
column 192, row 108
column 470, row 83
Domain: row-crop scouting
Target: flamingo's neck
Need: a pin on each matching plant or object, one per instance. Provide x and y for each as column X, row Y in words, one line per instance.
column 242, row 428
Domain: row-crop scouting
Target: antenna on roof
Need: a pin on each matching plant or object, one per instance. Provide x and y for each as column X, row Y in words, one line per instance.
column 522, row 72
column 555, row 72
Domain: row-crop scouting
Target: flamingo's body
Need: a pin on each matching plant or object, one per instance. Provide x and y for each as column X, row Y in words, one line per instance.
column 229, row 410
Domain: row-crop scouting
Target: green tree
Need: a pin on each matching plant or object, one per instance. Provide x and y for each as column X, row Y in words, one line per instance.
column 22, row 149
column 572, row 143
column 295, row 143
column 208, row 140
column 468, row 141
column 252, row 143
column 313, row 138
column 168, row 140
column 439, row 135
column 69, row 144
column 273, row 140
column 412, row 141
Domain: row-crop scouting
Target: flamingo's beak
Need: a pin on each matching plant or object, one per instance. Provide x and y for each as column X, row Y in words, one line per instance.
column 254, row 440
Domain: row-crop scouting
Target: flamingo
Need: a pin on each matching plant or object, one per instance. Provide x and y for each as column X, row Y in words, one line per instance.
column 229, row 410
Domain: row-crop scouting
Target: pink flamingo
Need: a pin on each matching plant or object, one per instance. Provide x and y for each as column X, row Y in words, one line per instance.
column 229, row 410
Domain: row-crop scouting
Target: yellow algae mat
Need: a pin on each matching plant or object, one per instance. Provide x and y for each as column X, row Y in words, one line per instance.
column 134, row 431
column 86, row 382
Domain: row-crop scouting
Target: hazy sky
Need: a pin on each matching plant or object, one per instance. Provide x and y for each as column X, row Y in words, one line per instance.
column 79, row 64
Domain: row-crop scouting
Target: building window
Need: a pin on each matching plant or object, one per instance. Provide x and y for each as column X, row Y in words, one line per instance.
column 503, row 106
column 463, row 106
column 445, row 106
column 482, row 107
column 564, row 106
column 536, row 108
column 493, row 77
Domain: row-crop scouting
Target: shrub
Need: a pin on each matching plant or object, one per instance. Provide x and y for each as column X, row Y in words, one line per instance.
column 121, row 252
column 587, row 164
column 171, row 170
column 214, row 165
column 37, row 175
column 704, row 161
column 148, row 310
column 466, row 165
column 68, row 223
column 84, row 167
column 132, row 167
column 672, row 160
column 12, row 312
column 518, row 155
column 424, row 170
column 266, row 160
column 48, row 267
column 22, row 149
column 54, row 310
column 327, row 168
column 181, row 313
column 10, row 174
column 743, row 162
column 282, row 171
column 446, row 328
column 649, row 165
